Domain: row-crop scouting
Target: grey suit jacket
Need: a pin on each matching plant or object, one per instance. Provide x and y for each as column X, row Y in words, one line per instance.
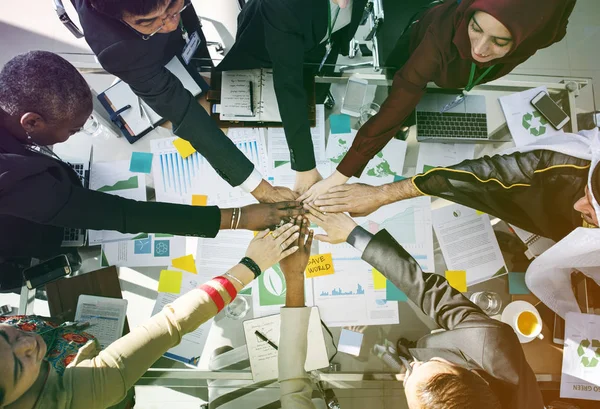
column 472, row 339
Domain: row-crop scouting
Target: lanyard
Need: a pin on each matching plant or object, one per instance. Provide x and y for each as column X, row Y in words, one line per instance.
column 472, row 83
column 184, row 32
column 331, row 23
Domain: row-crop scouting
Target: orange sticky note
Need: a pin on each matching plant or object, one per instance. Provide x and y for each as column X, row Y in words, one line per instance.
column 170, row 281
column 319, row 265
column 184, row 148
column 185, row 263
column 457, row 279
column 379, row 280
column 199, row 200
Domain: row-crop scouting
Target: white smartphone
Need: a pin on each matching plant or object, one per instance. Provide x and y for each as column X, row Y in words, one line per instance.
column 355, row 96
column 551, row 111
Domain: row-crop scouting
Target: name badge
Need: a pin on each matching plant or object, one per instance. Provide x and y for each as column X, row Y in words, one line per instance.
column 190, row 48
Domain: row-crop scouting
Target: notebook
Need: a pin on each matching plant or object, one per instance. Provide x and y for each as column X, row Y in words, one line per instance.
column 105, row 315
column 536, row 245
column 140, row 119
column 263, row 357
column 249, row 95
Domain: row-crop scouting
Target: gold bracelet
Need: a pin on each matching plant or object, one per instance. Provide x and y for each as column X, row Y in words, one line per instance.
column 232, row 218
column 239, row 218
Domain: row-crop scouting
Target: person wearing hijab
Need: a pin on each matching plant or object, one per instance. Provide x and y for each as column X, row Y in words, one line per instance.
column 45, row 365
column 294, row 37
column 455, row 44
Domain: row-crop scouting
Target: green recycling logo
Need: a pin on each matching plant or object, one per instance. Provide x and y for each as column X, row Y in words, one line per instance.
column 583, row 350
column 527, row 123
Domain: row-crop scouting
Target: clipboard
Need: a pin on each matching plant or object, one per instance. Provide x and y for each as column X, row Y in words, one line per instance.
column 121, row 102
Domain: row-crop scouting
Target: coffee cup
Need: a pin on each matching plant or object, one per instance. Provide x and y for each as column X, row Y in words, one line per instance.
column 524, row 319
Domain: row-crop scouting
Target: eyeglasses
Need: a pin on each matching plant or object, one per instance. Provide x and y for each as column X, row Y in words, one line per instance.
column 164, row 20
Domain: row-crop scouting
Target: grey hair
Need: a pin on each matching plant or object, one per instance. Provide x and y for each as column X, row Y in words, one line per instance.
column 43, row 83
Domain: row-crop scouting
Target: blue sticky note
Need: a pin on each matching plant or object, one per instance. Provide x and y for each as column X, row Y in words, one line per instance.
column 398, row 178
column 516, row 284
column 339, row 123
column 141, row 162
column 393, row 293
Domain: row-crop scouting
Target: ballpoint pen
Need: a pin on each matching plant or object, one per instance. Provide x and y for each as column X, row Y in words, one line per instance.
column 251, row 98
column 264, row 338
column 143, row 112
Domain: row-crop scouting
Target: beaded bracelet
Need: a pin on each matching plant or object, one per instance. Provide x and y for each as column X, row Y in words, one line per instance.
column 251, row 264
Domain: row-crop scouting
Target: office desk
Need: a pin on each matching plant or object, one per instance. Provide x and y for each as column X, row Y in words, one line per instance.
column 365, row 373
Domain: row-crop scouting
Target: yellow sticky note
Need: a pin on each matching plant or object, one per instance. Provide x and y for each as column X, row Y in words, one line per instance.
column 378, row 280
column 185, row 263
column 199, row 200
column 184, row 148
column 479, row 212
column 319, row 265
column 457, row 279
column 170, row 281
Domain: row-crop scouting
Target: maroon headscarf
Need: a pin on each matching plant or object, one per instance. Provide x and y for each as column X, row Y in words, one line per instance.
column 533, row 24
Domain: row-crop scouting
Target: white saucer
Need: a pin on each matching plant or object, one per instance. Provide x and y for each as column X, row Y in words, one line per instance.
column 510, row 313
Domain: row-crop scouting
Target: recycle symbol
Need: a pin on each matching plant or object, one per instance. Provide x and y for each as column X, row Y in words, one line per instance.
column 528, row 117
column 586, row 362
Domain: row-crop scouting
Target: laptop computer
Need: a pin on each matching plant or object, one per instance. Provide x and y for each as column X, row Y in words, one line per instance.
column 77, row 237
column 466, row 122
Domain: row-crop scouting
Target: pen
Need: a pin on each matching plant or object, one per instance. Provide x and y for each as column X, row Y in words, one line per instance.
column 261, row 336
column 144, row 112
column 251, row 98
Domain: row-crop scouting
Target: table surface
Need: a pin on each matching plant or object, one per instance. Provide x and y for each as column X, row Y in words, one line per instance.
column 139, row 284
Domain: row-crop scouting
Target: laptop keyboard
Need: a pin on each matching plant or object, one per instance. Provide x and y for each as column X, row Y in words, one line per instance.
column 80, row 170
column 74, row 235
column 452, row 125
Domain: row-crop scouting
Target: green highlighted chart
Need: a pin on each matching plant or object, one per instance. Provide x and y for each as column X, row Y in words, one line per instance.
column 131, row 183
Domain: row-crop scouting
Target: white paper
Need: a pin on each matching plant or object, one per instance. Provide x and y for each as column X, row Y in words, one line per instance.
column 216, row 256
column 235, row 93
column 115, row 178
column 149, row 250
column 263, row 357
column 442, row 154
column 581, row 357
column 177, row 179
column 348, row 297
column 468, row 242
column 278, row 147
column 381, row 169
column 524, row 121
column 283, row 175
column 409, row 222
column 105, row 315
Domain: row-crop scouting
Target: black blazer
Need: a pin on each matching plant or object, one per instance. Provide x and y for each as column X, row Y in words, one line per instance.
column 472, row 339
column 141, row 64
column 284, row 35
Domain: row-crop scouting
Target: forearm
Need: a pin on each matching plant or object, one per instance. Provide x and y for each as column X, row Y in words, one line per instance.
column 294, row 296
column 394, row 192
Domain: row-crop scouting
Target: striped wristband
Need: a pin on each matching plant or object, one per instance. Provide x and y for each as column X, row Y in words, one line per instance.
column 214, row 295
column 251, row 264
column 229, row 287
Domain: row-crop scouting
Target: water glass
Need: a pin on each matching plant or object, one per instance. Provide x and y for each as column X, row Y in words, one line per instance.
column 238, row 308
column 489, row 302
column 367, row 111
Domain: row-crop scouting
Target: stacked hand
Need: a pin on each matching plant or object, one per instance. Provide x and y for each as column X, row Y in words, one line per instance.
column 267, row 249
column 268, row 215
column 358, row 199
column 338, row 226
column 322, row 187
column 293, row 266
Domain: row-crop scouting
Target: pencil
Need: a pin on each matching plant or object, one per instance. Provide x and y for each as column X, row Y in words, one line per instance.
column 261, row 336
column 251, row 98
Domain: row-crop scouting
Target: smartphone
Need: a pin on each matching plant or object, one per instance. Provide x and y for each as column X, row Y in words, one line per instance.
column 551, row 111
column 47, row 271
column 355, row 96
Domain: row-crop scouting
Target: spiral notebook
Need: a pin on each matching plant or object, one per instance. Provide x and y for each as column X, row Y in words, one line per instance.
column 536, row 245
column 249, row 95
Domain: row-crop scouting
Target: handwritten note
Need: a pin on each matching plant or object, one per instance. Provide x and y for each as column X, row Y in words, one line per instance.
column 199, row 200
column 457, row 279
column 170, row 281
column 319, row 265
column 184, row 148
column 235, row 93
column 379, row 280
column 185, row 263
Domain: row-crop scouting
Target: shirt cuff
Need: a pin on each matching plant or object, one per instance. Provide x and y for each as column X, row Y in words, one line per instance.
column 252, row 181
column 359, row 238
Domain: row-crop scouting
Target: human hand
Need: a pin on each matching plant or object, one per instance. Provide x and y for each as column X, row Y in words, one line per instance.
column 338, row 226
column 358, row 199
column 267, row 193
column 293, row 266
column 268, row 215
column 304, row 180
column 268, row 249
column 322, row 187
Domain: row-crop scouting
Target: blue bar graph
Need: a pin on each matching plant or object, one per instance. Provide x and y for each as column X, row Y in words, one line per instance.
column 339, row 292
